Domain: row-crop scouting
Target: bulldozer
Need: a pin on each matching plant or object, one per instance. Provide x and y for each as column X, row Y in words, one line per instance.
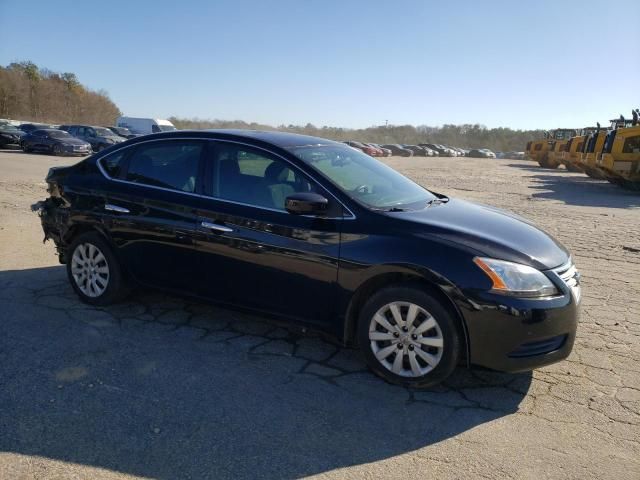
column 620, row 157
column 592, row 149
column 573, row 155
column 548, row 151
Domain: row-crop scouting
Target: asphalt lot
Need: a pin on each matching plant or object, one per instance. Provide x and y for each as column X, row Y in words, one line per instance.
column 166, row 387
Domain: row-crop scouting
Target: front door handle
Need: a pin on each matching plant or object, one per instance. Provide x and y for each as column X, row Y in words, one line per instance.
column 216, row 227
column 115, row 208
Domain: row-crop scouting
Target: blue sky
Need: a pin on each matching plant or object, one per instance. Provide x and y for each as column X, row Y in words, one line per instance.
column 533, row 64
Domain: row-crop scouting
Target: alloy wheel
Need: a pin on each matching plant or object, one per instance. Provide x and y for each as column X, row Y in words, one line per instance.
column 90, row 270
column 406, row 339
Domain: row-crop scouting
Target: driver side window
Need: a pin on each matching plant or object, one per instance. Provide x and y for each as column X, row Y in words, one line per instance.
column 254, row 177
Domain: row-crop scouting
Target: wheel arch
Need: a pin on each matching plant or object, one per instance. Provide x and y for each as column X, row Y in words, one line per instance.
column 433, row 283
column 78, row 229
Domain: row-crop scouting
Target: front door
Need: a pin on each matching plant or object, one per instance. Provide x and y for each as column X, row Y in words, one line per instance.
column 252, row 252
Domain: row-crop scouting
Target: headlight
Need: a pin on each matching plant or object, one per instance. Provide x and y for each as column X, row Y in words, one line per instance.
column 515, row 279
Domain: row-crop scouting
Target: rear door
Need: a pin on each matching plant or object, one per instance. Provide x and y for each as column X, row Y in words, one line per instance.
column 150, row 209
column 252, row 252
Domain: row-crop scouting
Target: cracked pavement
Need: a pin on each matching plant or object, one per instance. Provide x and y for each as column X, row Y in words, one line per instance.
column 167, row 387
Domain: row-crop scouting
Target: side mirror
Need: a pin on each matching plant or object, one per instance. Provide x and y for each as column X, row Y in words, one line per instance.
column 306, row 204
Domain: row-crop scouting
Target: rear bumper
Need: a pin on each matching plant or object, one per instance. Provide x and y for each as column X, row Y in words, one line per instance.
column 511, row 334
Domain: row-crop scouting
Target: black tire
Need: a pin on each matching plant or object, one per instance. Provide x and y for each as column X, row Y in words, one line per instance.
column 573, row 168
column 546, row 163
column 57, row 150
column 116, row 287
column 26, row 148
column 446, row 323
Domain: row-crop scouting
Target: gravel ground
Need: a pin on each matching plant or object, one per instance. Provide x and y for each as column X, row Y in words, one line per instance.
column 167, row 387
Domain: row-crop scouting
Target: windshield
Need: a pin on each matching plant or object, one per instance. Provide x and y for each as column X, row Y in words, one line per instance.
column 104, row 132
column 7, row 128
column 58, row 134
column 364, row 178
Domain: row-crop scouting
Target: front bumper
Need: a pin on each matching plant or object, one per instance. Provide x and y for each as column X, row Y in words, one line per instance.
column 516, row 334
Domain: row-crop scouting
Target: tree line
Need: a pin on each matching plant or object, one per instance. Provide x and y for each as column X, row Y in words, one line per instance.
column 463, row 136
column 35, row 94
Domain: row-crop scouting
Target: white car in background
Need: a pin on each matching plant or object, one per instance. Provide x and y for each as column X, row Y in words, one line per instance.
column 145, row 126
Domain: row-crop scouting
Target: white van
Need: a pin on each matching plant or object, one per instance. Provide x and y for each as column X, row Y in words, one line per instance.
column 144, row 126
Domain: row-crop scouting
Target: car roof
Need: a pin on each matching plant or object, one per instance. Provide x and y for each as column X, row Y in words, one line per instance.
column 280, row 139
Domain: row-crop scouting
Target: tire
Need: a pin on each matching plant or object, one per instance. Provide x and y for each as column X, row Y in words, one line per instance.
column 57, row 150
column 546, row 163
column 432, row 323
column 26, row 148
column 573, row 168
column 90, row 256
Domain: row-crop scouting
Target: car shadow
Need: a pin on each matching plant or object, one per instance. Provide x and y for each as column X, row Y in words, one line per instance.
column 167, row 387
column 577, row 189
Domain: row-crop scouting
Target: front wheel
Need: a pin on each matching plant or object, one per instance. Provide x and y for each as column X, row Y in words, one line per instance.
column 408, row 338
column 94, row 271
column 57, row 150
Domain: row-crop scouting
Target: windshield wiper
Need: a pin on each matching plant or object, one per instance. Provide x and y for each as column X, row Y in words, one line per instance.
column 396, row 209
column 437, row 201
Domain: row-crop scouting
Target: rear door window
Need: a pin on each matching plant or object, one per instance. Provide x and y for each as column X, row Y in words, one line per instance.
column 170, row 164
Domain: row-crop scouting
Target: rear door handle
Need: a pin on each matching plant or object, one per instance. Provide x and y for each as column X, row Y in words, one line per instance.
column 216, row 227
column 115, row 208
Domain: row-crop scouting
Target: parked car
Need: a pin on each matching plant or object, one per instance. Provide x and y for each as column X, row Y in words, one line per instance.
column 385, row 151
column 30, row 127
column 310, row 229
column 56, row 142
column 482, row 153
column 9, row 135
column 430, row 152
column 99, row 137
column 145, row 126
column 378, row 149
column 399, row 150
column 417, row 151
column 364, row 148
column 442, row 151
column 123, row 132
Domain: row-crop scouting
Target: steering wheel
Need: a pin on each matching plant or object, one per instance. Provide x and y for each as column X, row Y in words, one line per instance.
column 361, row 189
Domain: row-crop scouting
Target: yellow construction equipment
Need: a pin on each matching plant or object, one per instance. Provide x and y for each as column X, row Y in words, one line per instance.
column 572, row 157
column 591, row 150
column 620, row 158
column 549, row 150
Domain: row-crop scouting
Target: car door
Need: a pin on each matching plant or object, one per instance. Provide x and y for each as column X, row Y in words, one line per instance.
column 39, row 140
column 150, row 209
column 252, row 252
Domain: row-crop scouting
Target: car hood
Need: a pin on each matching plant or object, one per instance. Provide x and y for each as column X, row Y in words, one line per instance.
column 71, row 141
column 490, row 231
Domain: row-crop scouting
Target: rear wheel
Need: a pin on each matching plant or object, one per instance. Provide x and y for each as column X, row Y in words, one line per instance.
column 408, row 337
column 94, row 271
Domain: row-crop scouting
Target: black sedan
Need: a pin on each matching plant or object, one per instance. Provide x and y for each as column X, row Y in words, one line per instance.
column 123, row 132
column 417, row 151
column 398, row 150
column 321, row 234
column 9, row 135
column 57, row 142
column 32, row 127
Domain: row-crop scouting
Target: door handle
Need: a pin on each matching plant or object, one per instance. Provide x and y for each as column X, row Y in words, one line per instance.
column 216, row 227
column 115, row 208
